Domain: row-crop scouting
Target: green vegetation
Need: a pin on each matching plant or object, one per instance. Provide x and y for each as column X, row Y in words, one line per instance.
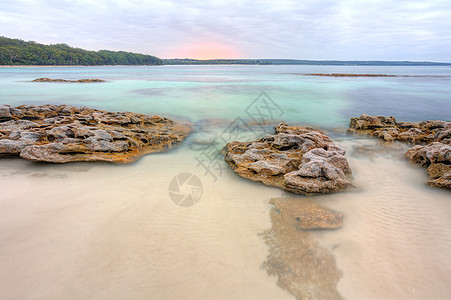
column 18, row 52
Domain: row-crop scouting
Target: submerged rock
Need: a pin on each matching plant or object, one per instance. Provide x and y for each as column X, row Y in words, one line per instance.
column 297, row 159
column 307, row 214
column 64, row 80
column 304, row 268
column 62, row 133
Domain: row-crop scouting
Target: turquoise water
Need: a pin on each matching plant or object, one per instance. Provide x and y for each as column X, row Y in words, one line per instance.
column 205, row 92
column 92, row 230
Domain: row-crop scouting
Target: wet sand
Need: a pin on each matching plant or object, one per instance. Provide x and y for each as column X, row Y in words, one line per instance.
column 396, row 238
column 105, row 231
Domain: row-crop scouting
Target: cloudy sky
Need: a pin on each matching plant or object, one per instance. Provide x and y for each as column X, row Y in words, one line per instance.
column 302, row 29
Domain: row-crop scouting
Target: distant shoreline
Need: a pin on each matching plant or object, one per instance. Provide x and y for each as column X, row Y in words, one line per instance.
column 206, row 64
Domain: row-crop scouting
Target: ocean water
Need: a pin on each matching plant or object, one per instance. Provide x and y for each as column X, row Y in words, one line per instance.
column 206, row 92
column 78, row 231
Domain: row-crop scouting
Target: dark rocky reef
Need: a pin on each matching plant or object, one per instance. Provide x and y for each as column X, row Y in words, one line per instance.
column 350, row 75
column 432, row 140
column 64, row 80
column 298, row 159
column 62, row 133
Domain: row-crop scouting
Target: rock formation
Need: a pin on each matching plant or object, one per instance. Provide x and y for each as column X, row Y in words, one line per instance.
column 64, row 80
column 297, row 159
column 388, row 129
column 62, row 133
column 436, row 157
column 432, row 140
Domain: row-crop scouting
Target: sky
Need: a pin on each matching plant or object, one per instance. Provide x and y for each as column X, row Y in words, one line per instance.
column 303, row 29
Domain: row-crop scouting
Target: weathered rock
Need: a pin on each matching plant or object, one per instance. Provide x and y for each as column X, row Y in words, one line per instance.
column 388, row 129
column 298, row 159
column 5, row 113
column 437, row 134
column 11, row 147
column 437, row 158
column 64, row 80
column 64, row 133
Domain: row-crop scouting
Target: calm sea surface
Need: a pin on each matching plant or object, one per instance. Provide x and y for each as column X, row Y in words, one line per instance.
column 204, row 92
column 90, row 230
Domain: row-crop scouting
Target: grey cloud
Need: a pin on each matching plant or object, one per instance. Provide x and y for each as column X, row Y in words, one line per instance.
column 350, row 29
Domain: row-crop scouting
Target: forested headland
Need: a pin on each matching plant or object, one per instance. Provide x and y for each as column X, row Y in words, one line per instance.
column 19, row 52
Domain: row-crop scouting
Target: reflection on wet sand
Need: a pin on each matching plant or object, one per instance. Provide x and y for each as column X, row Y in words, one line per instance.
column 304, row 267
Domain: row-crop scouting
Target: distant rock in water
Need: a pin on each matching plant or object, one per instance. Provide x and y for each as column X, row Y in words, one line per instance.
column 432, row 140
column 351, row 75
column 298, row 159
column 62, row 133
column 72, row 81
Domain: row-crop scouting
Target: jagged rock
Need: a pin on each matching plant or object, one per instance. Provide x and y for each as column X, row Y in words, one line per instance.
column 5, row 113
column 11, row 147
column 437, row 134
column 437, row 158
column 64, row 80
column 432, row 153
column 298, row 159
column 366, row 122
column 388, row 129
column 62, row 133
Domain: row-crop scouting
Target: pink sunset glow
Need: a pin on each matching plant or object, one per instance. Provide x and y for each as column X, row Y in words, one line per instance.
column 206, row 50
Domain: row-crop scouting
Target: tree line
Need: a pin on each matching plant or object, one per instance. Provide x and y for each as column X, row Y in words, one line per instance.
column 19, row 52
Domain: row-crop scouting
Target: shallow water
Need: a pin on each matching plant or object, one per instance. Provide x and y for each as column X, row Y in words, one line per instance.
column 84, row 230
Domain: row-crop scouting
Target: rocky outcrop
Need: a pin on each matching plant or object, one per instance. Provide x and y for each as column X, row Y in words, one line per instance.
column 297, row 159
column 389, row 130
column 436, row 157
column 432, row 140
column 64, row 80
column 62, row 133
